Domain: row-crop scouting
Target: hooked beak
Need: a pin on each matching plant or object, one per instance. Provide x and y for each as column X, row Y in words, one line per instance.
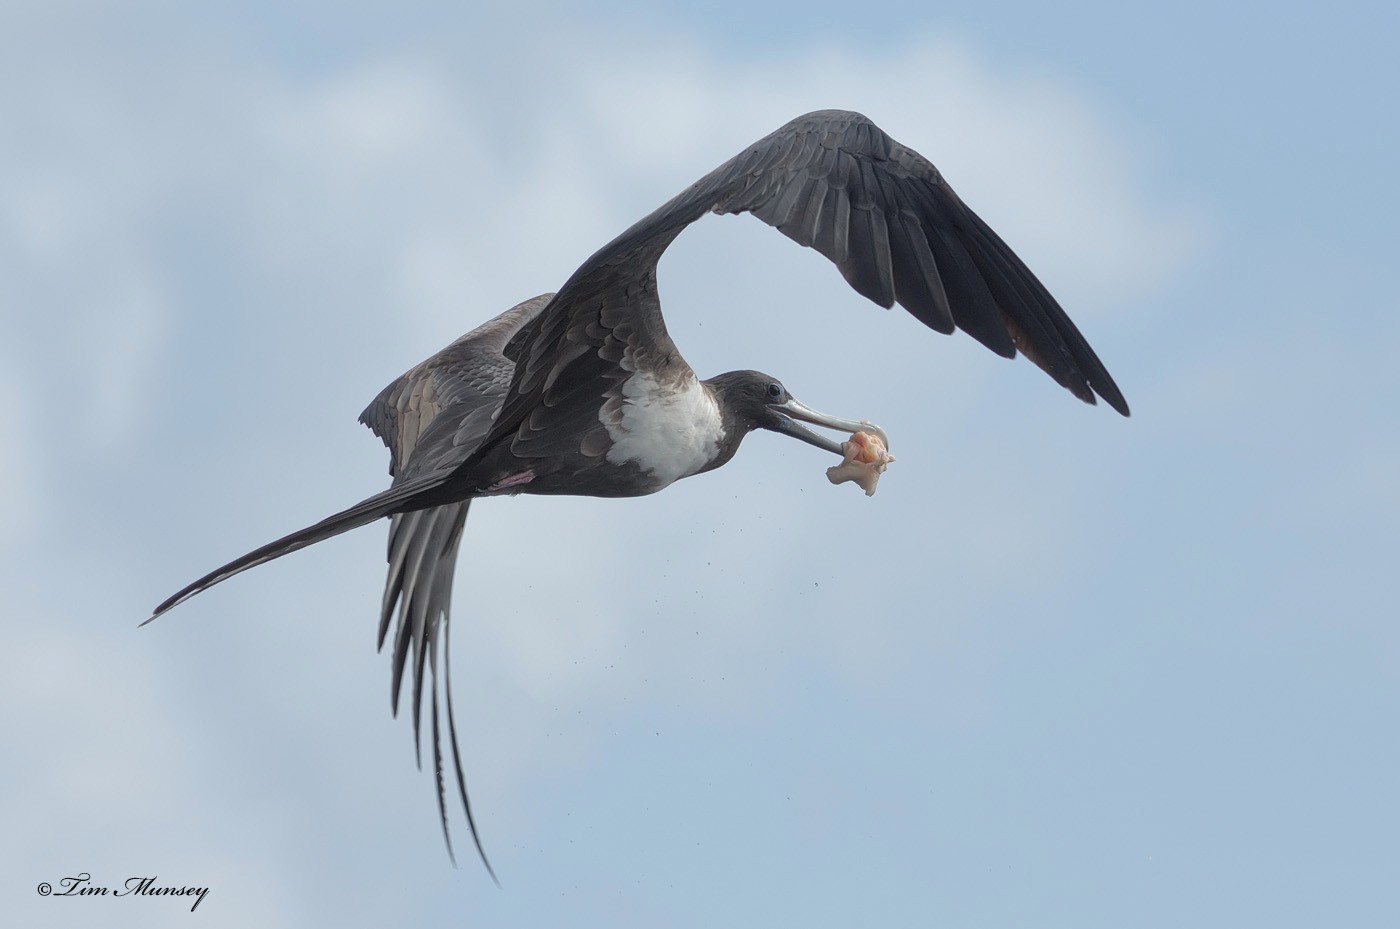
column 785, row 416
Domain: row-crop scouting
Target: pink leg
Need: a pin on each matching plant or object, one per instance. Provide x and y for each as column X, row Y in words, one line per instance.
column 505, row 484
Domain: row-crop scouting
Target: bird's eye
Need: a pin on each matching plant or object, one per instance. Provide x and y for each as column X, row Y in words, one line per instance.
column 775, row 390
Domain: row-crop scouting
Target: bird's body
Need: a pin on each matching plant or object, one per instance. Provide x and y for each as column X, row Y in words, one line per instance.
column 583, row 392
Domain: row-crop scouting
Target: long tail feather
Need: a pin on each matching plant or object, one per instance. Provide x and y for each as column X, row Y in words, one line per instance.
column 422, row 558
column 366, row 511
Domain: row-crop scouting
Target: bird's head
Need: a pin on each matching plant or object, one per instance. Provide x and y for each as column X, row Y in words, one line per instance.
column 752, row 400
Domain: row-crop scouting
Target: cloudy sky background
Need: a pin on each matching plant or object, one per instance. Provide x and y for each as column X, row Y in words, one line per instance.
column 1065, row 669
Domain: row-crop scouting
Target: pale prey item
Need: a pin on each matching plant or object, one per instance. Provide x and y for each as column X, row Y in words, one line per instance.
column 863, row 459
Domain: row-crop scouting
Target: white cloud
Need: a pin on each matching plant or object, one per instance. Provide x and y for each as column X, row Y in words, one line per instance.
column 19, row 483
column 1024, row 149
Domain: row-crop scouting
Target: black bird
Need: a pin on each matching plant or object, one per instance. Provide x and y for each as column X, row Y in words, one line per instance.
column 583, row 392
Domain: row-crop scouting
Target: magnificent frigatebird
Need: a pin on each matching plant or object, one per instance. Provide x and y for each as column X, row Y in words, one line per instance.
column 583, row 392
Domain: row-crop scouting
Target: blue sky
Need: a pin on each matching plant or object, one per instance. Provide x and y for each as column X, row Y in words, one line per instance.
column 1063, row 670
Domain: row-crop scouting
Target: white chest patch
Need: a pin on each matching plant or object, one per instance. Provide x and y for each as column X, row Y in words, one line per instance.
column 670, row 433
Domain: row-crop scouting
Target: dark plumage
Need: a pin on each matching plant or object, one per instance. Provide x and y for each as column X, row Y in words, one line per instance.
column 583, row 392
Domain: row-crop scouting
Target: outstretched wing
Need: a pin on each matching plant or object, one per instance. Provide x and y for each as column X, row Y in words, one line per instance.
column 432, row 418
column 887, row 218
column 435, row 415
column 831, row 180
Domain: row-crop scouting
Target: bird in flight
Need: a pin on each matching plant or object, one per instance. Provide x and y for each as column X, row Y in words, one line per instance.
column 583, row 392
